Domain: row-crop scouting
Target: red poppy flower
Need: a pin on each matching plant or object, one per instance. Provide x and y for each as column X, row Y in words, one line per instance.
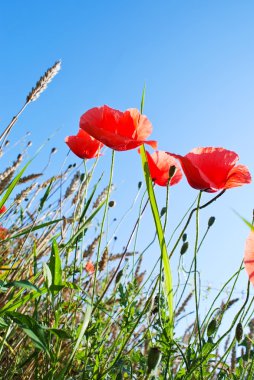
column 249, row 256
column 3, row 209
column 89, row 267
column 3, row 233
column 212, row 169
column 84, row 145
column 159, row 165
column 117, row 130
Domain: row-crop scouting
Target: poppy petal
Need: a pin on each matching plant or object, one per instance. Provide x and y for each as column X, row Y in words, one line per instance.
column 192, row 173
column 117, row 130
column 84, row 145
column 249, row 256
column 159, row 165
column 238, row 176
column 211, row 169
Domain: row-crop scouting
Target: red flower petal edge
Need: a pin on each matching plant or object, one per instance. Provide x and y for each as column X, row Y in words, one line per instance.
column 84, row 145
column 249, row 256
column 117, row 130
column 3, row 233
column 159, row 164
column 3, row 209
column 211, row 169
column 89, row 267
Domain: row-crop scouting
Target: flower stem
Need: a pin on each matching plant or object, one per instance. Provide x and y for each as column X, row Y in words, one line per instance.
column 189, row 219
column 195, row 278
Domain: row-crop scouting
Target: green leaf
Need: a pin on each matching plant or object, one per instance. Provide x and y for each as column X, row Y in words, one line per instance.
column 168, row 283
column 60, row 333
column 55, row 267
column 245, row 220
column 3, row 323
column 143, row 99
column 32, row 328
column 22, row 284
column 33, row 228
column 87, row 318
column 45, row 196
column 47, row 275
column 12, row 185
column 15, row 303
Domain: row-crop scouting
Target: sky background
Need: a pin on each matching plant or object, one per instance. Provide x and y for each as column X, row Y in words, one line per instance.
column 197, row 60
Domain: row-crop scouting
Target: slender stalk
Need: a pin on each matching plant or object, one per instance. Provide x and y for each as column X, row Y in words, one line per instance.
column 122, row 258
column 103, row 222
column 168, row 282
column 195, row 279
column 189, row 219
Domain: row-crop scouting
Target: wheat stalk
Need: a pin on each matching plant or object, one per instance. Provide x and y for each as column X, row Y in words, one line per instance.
column 36, row 91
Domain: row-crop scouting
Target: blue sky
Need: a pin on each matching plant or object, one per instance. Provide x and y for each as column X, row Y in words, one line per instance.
column 196, row 58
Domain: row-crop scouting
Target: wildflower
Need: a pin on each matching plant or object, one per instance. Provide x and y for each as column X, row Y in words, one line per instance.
column 249, row 256
column 159, row 164
column 3, row 209
column 3, row 233
column 117, row 130
column 211, row 169
column 89, row 267
column 84, row 145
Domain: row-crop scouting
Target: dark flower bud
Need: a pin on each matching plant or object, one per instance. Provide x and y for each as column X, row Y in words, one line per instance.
column 53, row 150
column 111, row 203
column 211, row 221
column 139, row 185
column 172, row 171
column 119, row 276
column 163, row 211
column 184, row 248
column 211, row 327
column 184, row 237
column 239, row 332
column 119, row 376
column 153, row 359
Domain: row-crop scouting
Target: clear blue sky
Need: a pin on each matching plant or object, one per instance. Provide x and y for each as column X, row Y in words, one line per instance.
column 197, row 60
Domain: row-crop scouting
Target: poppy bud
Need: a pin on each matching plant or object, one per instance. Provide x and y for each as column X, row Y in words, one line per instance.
column 153, row 359
column 29, row 144
column 53, row 150
column 184, row 248
column 211, row 221
column 139, row 185
column 7, row 142
column 184, row 237
column 172, row 171
column 119, row 376
column 211, row 327
column 111, row 204
column 118, row 276
column 163, row 211
column 239, row 332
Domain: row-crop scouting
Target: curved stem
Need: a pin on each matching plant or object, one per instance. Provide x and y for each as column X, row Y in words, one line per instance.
column 189, row 219
column 123, row 256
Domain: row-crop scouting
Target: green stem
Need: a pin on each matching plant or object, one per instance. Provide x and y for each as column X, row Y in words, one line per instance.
column 195, row 278
column 168, row 283
column 103, row 222
column 189, row 219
